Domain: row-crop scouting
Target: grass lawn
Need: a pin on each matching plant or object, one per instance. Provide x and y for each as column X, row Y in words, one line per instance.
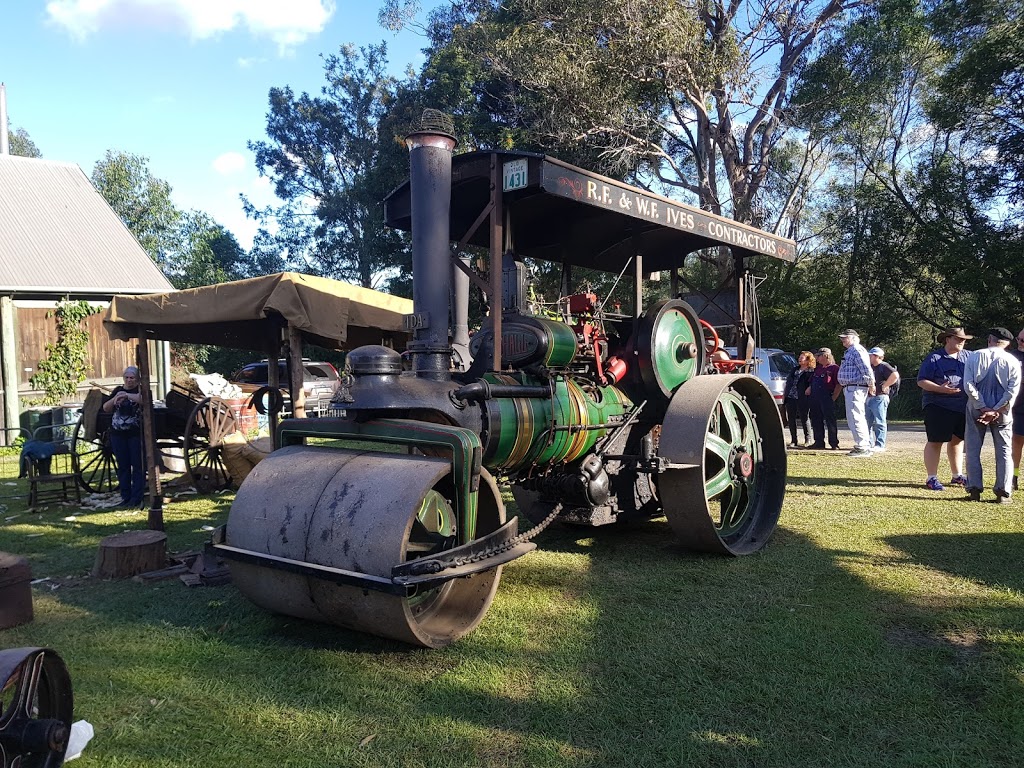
column 882, row 626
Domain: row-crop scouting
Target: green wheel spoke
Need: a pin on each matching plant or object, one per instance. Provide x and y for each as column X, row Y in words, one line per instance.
column 716, row 446
column 717, row 484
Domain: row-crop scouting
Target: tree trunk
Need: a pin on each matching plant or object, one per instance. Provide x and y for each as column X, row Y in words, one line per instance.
column 126, row 554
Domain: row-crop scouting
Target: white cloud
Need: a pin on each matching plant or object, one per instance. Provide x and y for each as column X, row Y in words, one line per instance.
column 229, row 163
column 287, row 24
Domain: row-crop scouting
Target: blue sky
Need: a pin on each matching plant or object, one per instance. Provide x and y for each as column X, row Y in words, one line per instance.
column 181, row 82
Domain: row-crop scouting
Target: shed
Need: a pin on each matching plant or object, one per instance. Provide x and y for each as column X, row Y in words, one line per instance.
column 59, row 239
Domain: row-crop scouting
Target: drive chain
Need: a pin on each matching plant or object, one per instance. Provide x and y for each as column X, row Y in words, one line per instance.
column 497, row 549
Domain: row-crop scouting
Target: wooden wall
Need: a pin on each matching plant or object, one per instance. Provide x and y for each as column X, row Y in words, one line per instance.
column 106, row 359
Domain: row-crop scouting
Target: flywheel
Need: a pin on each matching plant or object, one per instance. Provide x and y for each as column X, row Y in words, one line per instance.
column 670, row 346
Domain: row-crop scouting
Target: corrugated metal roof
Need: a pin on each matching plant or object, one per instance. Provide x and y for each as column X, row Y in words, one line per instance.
column 58, row 235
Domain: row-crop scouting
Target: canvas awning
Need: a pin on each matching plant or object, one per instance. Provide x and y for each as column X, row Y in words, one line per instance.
column 249, row 314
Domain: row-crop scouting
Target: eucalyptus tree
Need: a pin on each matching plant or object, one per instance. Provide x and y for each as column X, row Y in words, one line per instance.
column 21, row 144
column 142, row 200
column 332, row 159
column 689, row 95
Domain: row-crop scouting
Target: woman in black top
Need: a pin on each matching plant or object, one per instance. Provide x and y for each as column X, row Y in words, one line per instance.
column 796, row 401
column 125, row 408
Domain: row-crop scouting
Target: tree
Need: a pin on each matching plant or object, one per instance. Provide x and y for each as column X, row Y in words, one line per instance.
column 21, row 144
column 141, row 200
column 332, row 163
column 692, row 97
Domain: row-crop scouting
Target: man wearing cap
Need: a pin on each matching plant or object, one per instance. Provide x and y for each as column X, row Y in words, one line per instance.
column 992, row 381
column 878, row 398
column 945, row 406
column 823, row 393
column 858, row 382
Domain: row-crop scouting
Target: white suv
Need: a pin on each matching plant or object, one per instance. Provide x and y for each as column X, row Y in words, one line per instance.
column 772, row 367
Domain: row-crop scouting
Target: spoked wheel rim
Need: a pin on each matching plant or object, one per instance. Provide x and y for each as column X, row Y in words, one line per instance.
column 93, row 460
column 210, row 422
column 350, row 513
column 36, row 706
column 723, row 440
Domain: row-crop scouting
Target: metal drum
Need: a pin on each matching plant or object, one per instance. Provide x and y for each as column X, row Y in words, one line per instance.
column 365, row 512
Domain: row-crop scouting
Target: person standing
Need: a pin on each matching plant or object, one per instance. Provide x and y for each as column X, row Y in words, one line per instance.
column 822, row 393
column 858, row 383
column 125, row 408
column 945, row 406
column 877, row 408
column 796, row 400
column 992, row 381
column 1017, row 412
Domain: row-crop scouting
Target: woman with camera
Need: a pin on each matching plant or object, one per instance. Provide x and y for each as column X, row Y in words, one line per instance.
column 125, row 408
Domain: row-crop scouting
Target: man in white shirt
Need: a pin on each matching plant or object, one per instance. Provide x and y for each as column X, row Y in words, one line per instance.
column 991, row 381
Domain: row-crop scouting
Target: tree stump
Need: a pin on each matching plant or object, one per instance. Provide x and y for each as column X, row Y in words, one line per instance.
column 127, row 554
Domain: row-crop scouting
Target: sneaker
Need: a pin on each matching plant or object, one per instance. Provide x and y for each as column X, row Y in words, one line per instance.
column 859, row 453
column 960, row 480
column 933, row 484
column 1004, row 500
column 809, row 444
column 878, row 449
column 816, row 446
column 974, row 494
column 792, row 445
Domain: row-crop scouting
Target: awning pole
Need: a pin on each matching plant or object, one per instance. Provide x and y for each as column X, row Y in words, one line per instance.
column 156, row 495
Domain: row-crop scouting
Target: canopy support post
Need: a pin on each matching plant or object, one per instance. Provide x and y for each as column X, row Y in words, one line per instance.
column 156, row 496
column 296, row 372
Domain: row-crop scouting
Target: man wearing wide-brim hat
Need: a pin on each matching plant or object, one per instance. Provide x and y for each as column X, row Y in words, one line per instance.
column 945, row 404
column 992, row 381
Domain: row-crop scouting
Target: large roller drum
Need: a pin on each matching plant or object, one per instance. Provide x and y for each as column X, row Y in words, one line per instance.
column 723, row 488
column 364, row 512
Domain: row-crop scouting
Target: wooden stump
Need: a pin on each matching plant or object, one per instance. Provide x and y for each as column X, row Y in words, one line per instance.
column 126, row 554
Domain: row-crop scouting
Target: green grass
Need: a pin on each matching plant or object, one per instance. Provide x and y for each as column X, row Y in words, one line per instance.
column 883, row 625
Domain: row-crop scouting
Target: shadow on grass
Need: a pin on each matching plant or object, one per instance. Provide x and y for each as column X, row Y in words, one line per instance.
column 980, row 557
column 609, row 647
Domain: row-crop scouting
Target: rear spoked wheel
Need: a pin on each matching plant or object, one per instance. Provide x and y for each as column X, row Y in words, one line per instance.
column 723, row 488
column 210, row 422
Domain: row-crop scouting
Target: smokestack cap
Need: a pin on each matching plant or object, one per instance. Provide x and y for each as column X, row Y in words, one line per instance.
column 433, row 122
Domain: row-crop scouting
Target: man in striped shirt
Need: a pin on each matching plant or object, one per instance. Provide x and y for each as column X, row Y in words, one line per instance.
column 858, row 383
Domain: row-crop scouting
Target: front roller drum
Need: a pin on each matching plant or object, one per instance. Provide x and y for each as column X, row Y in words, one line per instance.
column 724, row 454
column 363, row 512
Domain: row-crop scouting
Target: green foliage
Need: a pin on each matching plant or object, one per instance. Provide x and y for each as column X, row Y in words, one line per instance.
column 21, row 144
column 332, row 159
column 64, row 368
column 141, row 200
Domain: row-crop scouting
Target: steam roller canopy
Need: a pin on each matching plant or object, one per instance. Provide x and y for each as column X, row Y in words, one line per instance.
column 364, row 512
column 671, row 346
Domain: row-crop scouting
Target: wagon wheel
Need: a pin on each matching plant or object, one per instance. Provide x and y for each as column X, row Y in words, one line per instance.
column 36, row 705
column 207, row 426
column 93, row 460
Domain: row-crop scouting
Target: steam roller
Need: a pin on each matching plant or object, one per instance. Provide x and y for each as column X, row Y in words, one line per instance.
column 389, row 521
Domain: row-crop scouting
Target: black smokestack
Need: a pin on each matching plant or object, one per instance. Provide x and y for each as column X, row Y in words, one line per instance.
column 430, row 186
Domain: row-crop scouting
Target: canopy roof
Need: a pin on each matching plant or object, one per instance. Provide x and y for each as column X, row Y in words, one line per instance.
column 558, row 212
column 249, row 314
